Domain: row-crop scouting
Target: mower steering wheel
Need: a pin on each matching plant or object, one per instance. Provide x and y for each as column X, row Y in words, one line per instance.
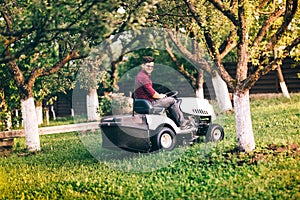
column 171, row 93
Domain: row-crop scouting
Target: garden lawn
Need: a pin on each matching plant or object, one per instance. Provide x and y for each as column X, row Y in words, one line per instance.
column 65, row 169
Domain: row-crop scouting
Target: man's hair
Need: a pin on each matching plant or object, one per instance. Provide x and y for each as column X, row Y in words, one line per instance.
column 148, row 59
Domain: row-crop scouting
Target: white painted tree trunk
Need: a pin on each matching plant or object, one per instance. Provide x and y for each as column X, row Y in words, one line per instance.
column 284, row 90
column 283, row 86
column 30, row 125
column 242, row 114
column 200, row 89
column 92, row 104
column 8, row 121
column 53, row 112
column 17, row 115
column 222, row 93
column 200, row 93
column 39, row 114
column 47, row 116
column 72, row 112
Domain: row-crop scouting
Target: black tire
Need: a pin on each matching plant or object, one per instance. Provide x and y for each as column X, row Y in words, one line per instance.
column 165, row 139
column 214, row 133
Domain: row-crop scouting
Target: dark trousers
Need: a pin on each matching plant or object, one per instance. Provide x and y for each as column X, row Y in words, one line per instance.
column 172, row 105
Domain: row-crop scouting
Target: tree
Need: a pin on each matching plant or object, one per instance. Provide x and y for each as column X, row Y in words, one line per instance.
column 198, row 58
column 46, row 88
column 248, row 34
column 175, row 17
column 38, row 38
column 30, row 32
column 92, row 69
column 8, row 100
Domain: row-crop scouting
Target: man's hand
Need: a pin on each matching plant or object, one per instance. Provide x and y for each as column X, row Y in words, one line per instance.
column 159, row 96
column 162, row 96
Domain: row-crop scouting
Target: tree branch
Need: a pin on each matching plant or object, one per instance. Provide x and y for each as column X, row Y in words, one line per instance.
column 228, row 44
column 192, row 57
column 73, row 55
column 38, row 72
column 209, row 42
column 290, row 11
column 233, row 3
column 25, row 50
column 229, row 13
column 213, row 50
column 179, row 66
column 242, row 62
column 293, row 44
column 82, row 13
column 125, row 22
column 261, row 70
column 262, row 32
column 262, row 3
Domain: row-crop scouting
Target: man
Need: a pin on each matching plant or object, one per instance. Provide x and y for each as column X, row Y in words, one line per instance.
column 145, row 90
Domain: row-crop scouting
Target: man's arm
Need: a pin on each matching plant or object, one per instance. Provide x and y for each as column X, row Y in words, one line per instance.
column 150, row 90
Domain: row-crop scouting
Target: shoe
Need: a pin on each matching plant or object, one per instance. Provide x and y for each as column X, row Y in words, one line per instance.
column 187, row 123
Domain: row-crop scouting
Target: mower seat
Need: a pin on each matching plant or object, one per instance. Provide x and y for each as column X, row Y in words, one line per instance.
column 143, row 106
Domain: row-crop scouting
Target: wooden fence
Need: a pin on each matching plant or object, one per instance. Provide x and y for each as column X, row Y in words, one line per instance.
column 7, row 137
column 270, row 82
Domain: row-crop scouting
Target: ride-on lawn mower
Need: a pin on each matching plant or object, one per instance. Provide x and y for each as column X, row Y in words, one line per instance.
column 151, row 128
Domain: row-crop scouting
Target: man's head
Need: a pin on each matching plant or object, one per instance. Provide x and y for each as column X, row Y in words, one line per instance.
column 148, row 64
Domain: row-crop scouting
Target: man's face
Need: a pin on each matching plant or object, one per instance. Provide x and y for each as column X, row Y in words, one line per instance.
column 148, row 67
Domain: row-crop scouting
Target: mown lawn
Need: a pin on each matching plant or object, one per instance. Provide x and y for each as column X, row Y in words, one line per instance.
column 65, row 169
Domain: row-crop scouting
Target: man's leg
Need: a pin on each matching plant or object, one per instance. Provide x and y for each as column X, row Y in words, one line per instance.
column 175, row 110
column 164, row 102
column 173, row 105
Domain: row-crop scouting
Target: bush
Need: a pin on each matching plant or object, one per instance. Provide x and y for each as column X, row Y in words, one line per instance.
column 121, row 104
column 116, row 103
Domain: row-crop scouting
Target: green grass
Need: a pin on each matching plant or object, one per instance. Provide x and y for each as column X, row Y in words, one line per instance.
column 65, row 169
column 64, row 121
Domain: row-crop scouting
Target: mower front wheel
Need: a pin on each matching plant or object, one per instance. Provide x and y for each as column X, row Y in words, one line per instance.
column 165, row 139
column 214, row 133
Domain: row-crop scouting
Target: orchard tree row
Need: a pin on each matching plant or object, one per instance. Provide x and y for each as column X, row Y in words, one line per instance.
column 44, row 43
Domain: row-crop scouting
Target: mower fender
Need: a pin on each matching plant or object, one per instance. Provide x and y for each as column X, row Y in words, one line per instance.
column 155, row 121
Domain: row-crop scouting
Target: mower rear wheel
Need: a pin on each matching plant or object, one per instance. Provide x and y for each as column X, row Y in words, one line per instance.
column 214, row 133
column 165, row 139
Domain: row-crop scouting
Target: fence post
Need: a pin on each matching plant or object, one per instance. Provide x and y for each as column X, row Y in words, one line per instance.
column 6, row 146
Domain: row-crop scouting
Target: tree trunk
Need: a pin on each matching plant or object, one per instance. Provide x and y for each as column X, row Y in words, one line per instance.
column 200, row 93
column 222, row 94
column 200, row 89
column 47, row 116
column 39, row 112
column 284, row 90
column 92, row 105
column 242, row 114
column 17, row 116
column 283, row 86
column 8, row 121
column 241, row 100
column 72, row 112
column 30, row 125
column 53, row 112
